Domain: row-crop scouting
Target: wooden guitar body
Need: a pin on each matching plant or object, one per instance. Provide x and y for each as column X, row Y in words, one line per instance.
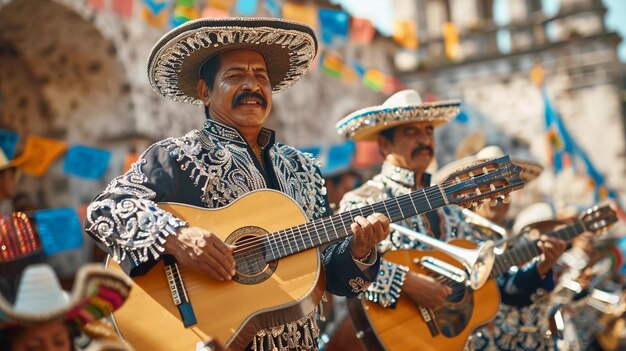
column 230, row 312
column 404, row 328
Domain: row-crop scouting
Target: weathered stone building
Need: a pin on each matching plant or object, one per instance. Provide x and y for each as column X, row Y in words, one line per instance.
column 68, row 71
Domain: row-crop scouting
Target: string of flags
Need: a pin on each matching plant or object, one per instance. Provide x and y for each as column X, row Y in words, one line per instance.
column 39, row 153
column 357, row 22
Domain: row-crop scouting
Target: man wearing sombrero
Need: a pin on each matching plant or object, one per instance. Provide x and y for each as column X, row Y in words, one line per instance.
column 404, row 129
column 231, row 67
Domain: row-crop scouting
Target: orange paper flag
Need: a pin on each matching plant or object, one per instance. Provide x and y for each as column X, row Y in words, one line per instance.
column 152, row 19
column 361, row 31
column 130, row 158
column 537, row 74
column 301, row 13
column 224, row 5
column 451, row 40
column 39, row 153
column 404, row 33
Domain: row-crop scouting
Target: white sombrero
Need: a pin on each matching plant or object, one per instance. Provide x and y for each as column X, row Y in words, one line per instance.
column 539, row 212
column 175, row 61
column 40, row 299
column 405, row 106
column 530, row 169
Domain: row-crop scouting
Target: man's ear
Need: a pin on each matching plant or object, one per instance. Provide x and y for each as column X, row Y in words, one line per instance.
column 203, row 92
column 383, row 145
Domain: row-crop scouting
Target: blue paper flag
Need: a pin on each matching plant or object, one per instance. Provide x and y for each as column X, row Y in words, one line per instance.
column 156, row 5
column 273, row 8
column 462, row 117
column 339, row 158
column 86, row 162
column 334, row 24
column 8, row 140
column 246, row 7
column 59, row 230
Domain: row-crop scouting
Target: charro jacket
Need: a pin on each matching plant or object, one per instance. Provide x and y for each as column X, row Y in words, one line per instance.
column 211, row 167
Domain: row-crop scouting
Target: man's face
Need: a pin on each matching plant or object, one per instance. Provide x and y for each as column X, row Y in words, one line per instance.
column 413, row 146
column 242, row 95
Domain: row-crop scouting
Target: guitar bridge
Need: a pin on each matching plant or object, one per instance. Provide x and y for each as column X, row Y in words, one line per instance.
column 444, row 269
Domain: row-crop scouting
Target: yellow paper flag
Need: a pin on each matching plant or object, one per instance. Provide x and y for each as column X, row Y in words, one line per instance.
column 300, row 13
column 451, row 40
column 39, row 153
column 404, row 33
column 537, row 74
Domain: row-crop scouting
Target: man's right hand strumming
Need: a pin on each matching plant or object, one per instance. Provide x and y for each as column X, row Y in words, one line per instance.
column 425, row 291
column 201, row 250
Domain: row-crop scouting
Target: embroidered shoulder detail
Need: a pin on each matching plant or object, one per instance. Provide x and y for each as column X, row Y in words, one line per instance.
column 299, row 177
column 224, row 171
column 386, row 290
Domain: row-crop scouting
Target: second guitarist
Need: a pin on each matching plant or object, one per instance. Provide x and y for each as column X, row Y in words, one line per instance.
column 406, row 139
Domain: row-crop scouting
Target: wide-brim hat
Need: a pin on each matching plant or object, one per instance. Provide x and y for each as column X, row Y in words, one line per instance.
column 175, row 61
column 403, row 107
column 530, row 169
column 538, row 212
column 40, row 299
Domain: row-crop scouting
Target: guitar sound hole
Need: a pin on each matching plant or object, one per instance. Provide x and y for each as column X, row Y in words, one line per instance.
column 250, row 255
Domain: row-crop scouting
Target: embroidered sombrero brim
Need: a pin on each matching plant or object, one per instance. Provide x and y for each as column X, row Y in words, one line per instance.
column 174, row 64
column 365, row 124
column 530, row 169
column 96, row 294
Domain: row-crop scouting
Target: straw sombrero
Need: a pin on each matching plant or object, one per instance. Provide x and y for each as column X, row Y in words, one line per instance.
column 175, row 61
column 40, row 299
column 405, row 106
column 530, row 169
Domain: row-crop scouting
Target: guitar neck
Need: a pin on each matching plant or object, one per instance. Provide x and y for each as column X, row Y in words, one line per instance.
column 325, row 230
column 529, row 249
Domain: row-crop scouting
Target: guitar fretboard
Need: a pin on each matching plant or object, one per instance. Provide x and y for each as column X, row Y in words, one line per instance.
column 529, row 249
column 325, row 230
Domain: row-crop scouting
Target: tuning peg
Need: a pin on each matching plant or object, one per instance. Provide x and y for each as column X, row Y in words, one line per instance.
column 493, row 202
column 506, row 199
column 475, row 205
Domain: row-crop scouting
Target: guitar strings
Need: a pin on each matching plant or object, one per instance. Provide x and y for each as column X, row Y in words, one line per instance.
column 255, row 241
column 257, row 246
column 432, row 190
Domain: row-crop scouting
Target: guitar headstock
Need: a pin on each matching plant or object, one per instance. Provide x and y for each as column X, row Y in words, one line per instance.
column 599, row 218
column 492, row 179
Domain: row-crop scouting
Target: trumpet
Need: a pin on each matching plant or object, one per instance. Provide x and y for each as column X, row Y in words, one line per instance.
column 499, row 234
column 478, row 261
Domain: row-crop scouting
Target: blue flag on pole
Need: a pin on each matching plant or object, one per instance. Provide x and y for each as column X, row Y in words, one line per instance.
column 86, row 162
column 59, row 230
column 8, row 140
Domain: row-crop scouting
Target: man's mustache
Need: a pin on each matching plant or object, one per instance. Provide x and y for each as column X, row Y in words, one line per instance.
column 249, row 94
column 421, row 148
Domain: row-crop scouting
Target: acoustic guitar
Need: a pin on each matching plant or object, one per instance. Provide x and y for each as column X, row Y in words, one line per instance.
column 412, row 327
column 279, row 277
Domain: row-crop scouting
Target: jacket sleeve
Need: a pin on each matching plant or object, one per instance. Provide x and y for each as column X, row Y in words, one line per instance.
column 343, row 276
column 126, row 221
column 517, row 288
